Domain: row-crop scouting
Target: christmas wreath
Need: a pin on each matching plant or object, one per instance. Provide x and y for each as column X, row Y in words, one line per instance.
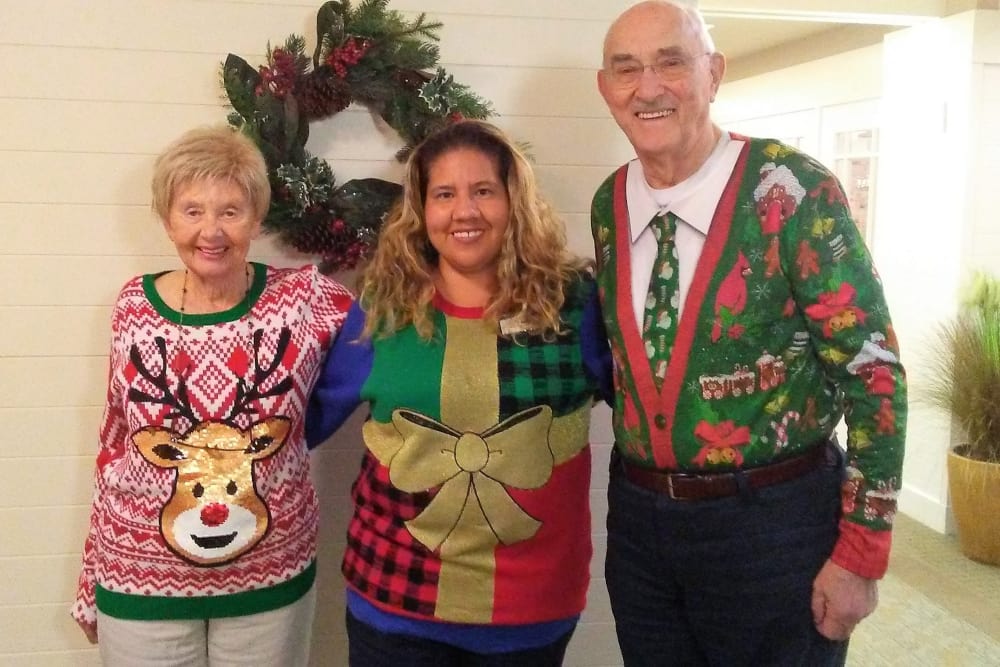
column 369, row 55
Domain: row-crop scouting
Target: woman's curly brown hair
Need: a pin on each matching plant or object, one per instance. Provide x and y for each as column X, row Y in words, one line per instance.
column 534, row 267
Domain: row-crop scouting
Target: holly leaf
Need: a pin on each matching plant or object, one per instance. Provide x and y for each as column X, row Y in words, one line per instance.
column 240, row 81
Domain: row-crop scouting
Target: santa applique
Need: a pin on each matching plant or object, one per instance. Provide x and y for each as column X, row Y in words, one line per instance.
column 872, row 364
column 778, row 195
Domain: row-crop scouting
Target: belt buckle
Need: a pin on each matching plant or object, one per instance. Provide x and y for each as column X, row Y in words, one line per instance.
column 671, row 476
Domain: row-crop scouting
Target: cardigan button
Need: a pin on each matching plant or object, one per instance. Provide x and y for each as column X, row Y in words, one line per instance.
column 660, row 421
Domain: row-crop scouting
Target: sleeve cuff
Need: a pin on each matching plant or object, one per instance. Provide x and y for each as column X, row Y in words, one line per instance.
column 863, row 551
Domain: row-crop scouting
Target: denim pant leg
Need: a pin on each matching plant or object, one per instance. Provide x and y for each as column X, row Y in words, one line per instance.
column 724, row 582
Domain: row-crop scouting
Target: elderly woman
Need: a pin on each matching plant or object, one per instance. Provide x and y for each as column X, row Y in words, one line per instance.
column 202, row 540
column 477, row 345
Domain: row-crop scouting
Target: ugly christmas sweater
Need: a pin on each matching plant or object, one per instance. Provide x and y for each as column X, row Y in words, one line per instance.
column 203, row 505
column 472, row 502
column 784, row 330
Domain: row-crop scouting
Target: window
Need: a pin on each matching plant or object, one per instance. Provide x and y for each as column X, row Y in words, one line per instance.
column 855, row 162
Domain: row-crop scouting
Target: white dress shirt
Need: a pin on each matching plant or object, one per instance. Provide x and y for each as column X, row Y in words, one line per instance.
column 693, row 201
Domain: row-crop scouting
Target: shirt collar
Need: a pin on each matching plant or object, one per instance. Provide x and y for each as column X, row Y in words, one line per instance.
column 697, row 211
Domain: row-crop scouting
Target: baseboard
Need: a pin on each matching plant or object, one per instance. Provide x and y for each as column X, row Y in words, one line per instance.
column 926, row 509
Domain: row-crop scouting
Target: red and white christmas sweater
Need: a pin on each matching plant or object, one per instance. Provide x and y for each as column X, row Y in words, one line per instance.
column 203, row 505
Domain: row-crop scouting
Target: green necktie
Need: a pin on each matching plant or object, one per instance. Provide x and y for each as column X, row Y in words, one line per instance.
column 659, row 322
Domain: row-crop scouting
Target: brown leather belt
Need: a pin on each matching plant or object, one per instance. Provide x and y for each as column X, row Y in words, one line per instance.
column 706, row 486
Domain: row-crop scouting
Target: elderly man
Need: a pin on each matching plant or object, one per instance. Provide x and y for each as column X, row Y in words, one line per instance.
column 746, row 319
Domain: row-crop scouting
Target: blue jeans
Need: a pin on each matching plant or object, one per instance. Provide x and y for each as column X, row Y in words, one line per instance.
column 722, row 582
column 369, row 647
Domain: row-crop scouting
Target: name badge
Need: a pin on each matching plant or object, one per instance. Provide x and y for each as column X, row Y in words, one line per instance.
column 512, row 325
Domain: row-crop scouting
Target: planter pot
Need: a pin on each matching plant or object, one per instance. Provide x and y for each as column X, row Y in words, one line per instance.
column 975, row 502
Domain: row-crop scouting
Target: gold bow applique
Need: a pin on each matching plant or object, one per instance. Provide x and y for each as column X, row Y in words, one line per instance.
column 472, row 470
column 474, row 463
column 472, row 511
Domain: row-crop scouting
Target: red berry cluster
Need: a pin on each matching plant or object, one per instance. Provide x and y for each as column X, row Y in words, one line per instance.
column 279, row 78
column 346, row 249
column 347, row 54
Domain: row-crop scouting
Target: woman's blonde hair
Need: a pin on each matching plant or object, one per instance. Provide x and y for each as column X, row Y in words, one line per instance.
column 216, row 153
column 534, row 266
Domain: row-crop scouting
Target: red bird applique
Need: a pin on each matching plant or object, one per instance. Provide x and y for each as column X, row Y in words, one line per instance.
column 731, row 298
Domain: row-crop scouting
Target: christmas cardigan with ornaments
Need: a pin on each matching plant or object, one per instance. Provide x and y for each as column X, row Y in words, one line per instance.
column 784, row 330
column 471, row 506
column 203, row 505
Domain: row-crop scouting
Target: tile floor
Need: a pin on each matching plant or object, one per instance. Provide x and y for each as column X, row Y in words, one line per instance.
column 937, row 607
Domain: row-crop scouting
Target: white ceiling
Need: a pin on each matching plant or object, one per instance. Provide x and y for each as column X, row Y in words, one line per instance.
column 737, row 37
column 742, row 28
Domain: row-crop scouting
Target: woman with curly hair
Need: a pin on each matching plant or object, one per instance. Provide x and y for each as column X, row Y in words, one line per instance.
column 477, row 345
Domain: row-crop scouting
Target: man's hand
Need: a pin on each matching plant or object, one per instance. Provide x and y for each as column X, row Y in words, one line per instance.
column 89, row 629
column 840, row 599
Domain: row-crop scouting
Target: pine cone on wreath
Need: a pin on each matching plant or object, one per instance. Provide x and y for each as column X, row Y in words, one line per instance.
column 310, row 239
column 320, row 94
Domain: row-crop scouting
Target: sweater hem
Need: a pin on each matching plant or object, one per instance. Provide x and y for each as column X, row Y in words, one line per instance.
column 158, row 608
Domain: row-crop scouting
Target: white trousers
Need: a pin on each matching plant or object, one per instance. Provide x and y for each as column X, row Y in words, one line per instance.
column 278, row 638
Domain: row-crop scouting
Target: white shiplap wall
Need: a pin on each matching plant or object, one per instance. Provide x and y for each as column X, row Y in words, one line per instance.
column 92, row 91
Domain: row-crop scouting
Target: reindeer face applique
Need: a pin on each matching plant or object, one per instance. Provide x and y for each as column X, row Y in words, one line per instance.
column 215, row 513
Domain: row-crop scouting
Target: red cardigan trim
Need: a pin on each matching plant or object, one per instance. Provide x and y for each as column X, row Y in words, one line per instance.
column 664, row 402
column 635, row 351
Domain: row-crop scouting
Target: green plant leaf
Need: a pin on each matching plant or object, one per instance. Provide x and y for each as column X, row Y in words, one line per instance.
column 964, row 378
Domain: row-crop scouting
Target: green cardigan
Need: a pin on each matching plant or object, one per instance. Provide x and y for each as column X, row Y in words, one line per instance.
column 784, row 331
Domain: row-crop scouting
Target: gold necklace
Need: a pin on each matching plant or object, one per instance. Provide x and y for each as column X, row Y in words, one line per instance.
column 182, row 372
column 184, row 291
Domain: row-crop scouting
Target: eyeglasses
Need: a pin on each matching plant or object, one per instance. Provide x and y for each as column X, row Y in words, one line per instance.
column 627, row 73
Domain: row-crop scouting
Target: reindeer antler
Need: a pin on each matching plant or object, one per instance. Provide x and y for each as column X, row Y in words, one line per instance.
column 180, row 402
column 247, row 395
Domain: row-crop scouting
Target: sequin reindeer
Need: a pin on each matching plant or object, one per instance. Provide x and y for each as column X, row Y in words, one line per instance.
column 215, row 512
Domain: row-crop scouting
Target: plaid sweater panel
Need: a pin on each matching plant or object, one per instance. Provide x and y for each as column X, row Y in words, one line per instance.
column 196, row 388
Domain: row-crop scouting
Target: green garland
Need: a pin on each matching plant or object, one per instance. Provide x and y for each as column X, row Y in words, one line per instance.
column 369, row 55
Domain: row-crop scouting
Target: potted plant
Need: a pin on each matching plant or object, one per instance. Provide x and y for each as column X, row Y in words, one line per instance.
column 965, row 383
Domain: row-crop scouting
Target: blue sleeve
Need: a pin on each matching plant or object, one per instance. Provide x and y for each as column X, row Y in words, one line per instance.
column 595, row 348
column 338, row 390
